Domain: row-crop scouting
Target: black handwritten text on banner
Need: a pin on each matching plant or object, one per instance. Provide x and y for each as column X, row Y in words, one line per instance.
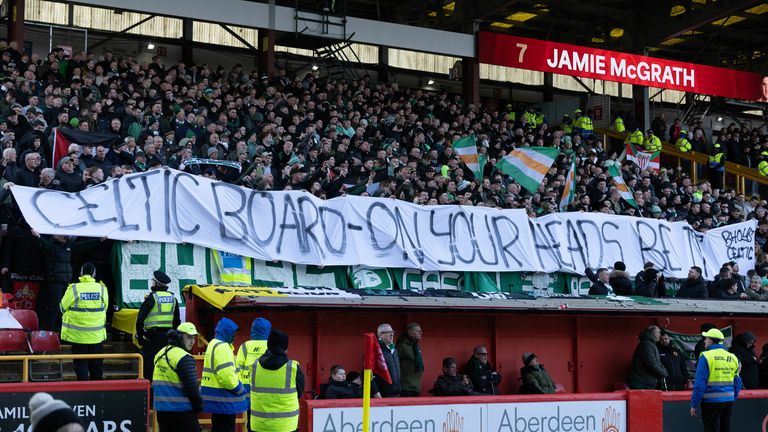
column 172, row 206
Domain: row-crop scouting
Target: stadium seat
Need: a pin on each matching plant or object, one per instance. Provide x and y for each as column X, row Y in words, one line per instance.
column 27, row 319
column 13, row 341
column 45, row 342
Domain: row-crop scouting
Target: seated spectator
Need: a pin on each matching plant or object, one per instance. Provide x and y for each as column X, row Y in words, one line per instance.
column 639, row 276
column 600, row 285
column 694, row 287
column 356, row 380
column 756, row 289
column 485, row 379
column 721, row 282
column 674, row 362
column 730, row 290
column 339, row 387
column 536, row 379
column 450, row 383
column 619, row 279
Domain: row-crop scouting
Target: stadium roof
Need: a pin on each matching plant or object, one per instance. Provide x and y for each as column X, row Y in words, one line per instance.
column 726, row 33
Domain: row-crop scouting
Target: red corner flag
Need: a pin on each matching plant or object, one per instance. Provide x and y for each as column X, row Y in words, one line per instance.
column 374, row 359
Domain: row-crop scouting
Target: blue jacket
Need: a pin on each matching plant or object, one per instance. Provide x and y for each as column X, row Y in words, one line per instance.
column 225, row 330
column 700, row 386
column 260, row 329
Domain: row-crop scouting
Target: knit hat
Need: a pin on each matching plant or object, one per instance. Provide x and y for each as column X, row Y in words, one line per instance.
column 528, row 357
column 48, row 414
column 618, row 265
column 277, row 339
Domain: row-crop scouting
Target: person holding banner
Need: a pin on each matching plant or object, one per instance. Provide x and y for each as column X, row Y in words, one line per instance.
column 717, row 384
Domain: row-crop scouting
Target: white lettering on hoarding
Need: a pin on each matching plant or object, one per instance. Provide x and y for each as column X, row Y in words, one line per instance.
column 586, row 416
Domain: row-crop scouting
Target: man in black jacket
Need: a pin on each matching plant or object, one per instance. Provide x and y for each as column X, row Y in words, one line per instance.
column 484, row 377
column 674, row 362
column 389, row 350
column 599, row 280
column 744, row 349
column 695, row 287
column 58, row 250
column 450, row 383
column 177, row 405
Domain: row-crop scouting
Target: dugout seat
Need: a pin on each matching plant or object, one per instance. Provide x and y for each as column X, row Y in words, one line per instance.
column 27, row 319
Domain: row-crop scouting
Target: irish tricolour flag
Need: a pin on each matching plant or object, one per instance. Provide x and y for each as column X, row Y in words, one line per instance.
column 528, row 165
column 467, row 151
column 644, row 160
column 569, row 191
column 622, row 187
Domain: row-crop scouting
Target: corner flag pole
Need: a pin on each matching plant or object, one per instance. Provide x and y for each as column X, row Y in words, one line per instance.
column 366, row 400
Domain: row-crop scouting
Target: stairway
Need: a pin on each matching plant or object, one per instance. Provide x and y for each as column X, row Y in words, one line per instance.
column 697, row 110
column 338, row 62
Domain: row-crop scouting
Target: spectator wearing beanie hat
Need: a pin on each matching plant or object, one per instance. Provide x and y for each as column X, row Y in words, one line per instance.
column 47, row 414
column 272, row 411
column 536, row 379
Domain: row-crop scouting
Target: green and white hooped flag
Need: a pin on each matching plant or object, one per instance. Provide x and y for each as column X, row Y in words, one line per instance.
column 529, row 165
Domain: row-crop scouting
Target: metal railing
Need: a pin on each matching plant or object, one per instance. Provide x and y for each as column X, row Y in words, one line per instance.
column 740, row 173
column 25, row 360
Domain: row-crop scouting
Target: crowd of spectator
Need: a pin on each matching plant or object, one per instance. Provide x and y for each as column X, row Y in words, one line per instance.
column 329, row 137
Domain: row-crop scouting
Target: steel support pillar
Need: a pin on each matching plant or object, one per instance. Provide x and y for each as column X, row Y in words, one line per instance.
column 16, row 22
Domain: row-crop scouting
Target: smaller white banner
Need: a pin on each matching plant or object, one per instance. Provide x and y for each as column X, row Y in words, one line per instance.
column 586, row 416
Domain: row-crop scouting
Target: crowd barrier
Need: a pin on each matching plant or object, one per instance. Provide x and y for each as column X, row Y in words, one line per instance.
column 622, row 411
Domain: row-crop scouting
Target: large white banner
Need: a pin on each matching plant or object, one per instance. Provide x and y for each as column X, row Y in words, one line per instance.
column 175, row 207
column 587, row 416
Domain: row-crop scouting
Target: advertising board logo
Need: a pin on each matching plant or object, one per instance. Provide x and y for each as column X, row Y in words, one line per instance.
column 611, row 420
column 454, row 422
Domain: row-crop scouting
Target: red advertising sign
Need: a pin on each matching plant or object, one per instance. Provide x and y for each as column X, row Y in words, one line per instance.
column 545, row 56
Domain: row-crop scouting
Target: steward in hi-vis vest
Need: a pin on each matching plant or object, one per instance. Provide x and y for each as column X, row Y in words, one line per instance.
column 717, row 383
column 175, row 386
column 277, row 383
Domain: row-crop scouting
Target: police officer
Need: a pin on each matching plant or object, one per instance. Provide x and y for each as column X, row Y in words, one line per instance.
column 84, row 309
column 682, row 143
column 635, row 138
column 717, row 383
column 158, row 314
column 652, row 142
column 716, row 163
column 277, row 383
column 176, row 389
column 618, row 124
column 222, row 391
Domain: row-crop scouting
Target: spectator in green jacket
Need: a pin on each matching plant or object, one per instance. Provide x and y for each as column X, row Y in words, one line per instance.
column 411, row 361
column 536, row 379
